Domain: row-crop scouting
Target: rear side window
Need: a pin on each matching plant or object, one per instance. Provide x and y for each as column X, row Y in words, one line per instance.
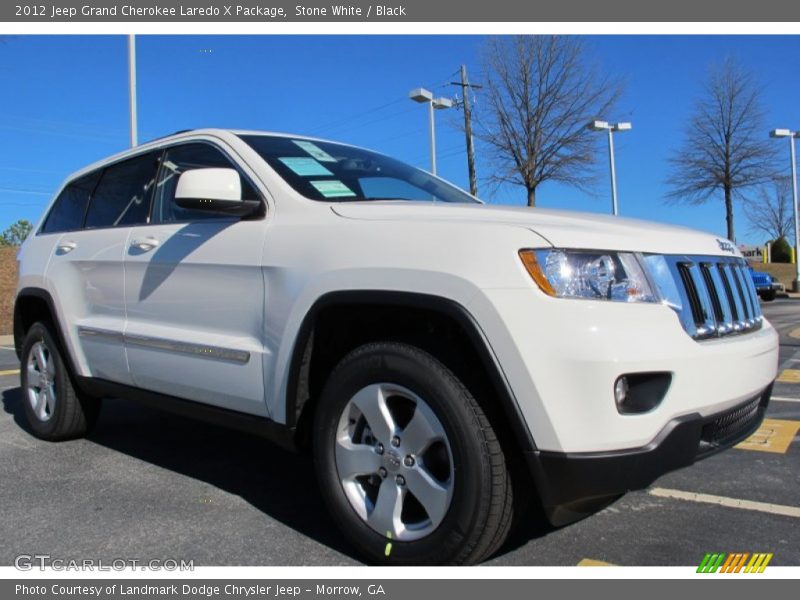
column 123, row 195
column 70, row 206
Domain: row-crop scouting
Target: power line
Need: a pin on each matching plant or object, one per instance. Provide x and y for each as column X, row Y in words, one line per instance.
column 327, row 128
column 338, row 122
column 27, row 170
column 23, row 191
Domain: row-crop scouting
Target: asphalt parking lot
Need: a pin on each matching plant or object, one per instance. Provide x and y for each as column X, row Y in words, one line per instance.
column 148, row 485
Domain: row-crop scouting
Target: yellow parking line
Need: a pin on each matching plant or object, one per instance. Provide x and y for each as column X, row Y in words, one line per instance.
column 590, row 562
column 789, row 376
column 774, row 435
column 9, row 372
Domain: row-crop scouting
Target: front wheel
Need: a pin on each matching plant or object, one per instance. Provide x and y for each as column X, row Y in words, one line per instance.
column 408, row 463
column 768, row 295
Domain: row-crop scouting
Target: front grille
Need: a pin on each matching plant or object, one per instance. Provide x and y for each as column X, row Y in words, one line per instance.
column 728, row 428
column 717, row 296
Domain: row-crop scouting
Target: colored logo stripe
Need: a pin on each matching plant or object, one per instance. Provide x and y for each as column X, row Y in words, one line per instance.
column 735, row 562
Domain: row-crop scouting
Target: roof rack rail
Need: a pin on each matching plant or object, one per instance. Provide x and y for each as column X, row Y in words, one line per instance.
column 161, row 137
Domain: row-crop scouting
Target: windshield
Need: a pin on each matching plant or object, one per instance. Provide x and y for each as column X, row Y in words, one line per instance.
column 338, row 173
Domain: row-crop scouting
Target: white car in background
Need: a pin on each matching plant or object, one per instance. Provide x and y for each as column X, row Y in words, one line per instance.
column 438, row 356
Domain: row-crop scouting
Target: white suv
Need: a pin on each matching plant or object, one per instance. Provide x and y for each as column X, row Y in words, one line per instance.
column 440, row 357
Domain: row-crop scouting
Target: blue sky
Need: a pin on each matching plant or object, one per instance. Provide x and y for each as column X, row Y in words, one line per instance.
column 65, row 104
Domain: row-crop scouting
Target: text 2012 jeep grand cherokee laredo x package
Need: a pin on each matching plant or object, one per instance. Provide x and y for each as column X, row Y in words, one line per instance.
column 439, row 357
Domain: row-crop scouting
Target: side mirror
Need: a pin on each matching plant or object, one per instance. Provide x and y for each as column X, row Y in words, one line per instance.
column 213, row 190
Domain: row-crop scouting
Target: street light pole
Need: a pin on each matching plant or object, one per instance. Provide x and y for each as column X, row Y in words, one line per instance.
column 132, row 88
column 610, row 129
column 612, row 168
column 432, row 128
column 778, row 133
column 424, row 96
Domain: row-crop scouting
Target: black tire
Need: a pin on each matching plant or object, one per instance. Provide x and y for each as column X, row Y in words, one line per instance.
column 480, row 511
column 72, row 414
column 768, row 296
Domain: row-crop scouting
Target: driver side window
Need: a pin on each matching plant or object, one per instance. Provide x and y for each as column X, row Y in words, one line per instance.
column 182, row 158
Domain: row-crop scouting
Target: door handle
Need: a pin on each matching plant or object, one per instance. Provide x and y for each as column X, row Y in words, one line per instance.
column 144, row 244
column 66, row 247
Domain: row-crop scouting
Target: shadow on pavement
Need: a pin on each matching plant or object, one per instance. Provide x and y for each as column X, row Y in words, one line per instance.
column 279, row 483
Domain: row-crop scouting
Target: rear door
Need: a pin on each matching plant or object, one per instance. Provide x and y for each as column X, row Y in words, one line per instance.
column 194, row 294
column 86, row 269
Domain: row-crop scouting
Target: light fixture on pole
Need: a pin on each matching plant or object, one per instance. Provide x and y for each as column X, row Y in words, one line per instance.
column 424, row 96
column 611, row 128
column 788, row 133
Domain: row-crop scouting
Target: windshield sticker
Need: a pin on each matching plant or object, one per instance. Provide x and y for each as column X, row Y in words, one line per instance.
column 315, row 151
column 305, row 167
column 333, row 189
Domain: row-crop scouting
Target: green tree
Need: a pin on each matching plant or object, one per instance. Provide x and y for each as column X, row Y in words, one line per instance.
column 16, row 233
column 781, row 251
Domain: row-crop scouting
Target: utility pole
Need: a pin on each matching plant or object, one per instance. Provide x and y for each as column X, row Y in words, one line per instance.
column 465, row 87
column 132, row 88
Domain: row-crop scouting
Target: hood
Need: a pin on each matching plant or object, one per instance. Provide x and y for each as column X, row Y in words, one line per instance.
column 563, row 229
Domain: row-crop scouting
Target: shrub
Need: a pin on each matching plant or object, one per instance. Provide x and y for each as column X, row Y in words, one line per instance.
column 781, row 251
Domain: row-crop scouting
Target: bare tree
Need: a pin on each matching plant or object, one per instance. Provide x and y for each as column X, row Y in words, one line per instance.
column 541, row 93
column 725, row 148
column 771, row 212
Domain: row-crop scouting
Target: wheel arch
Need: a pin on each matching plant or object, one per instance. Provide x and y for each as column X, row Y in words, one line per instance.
column 299, row 390
column 36, row 304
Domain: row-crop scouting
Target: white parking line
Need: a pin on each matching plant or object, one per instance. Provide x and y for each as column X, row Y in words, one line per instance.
column 775, row 509
column 784, row 399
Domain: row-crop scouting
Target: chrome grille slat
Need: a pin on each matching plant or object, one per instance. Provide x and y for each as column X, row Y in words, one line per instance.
column 741, row 321
column 718, row 296
column 753, row 295
column 707, row 327
column 725, row 316
column 744, row 292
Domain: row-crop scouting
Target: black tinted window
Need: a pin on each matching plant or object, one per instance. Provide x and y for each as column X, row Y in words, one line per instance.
column 123, row 195
column 70, row 206
column 184, row 158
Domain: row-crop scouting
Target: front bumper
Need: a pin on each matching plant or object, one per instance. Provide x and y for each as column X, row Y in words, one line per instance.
column 562, row 358
column 572, row 485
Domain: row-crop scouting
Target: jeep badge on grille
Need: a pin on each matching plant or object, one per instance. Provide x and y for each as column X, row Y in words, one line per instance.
column 725, row 246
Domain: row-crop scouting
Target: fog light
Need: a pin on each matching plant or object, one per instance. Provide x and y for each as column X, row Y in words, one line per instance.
column 636, row 393
column 621, row 391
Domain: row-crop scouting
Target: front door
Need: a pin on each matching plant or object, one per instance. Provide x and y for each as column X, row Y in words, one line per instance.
column 195, row 295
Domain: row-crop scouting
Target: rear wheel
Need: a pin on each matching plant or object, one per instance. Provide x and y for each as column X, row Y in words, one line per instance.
column 54, row 408
column 408, row 462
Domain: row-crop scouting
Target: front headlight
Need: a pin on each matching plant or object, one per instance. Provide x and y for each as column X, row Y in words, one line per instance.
column 595, row 275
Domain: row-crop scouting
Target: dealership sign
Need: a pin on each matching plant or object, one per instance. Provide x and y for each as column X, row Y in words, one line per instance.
column 754, row 253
